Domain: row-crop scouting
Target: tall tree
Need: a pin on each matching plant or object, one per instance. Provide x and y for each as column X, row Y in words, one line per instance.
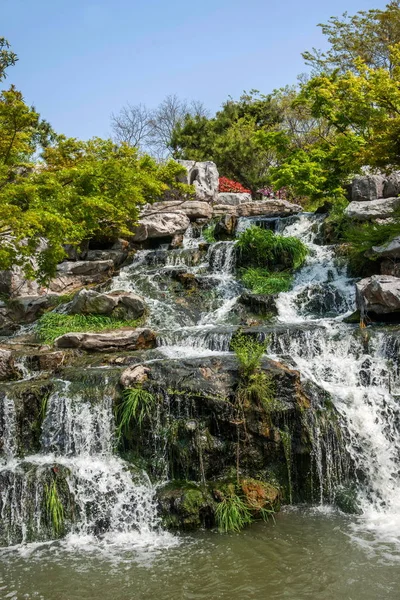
column 368, row 35
column 8, row 58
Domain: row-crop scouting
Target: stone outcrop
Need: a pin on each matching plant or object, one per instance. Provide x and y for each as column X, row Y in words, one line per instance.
column 391, row 186
column 375, row 209
column 268, row 208
column 122, row 305
column 379, row 294
column 367, row 187
column 225, row 227
column 14, row 283
column 205, row 178
column 390, row 267
column 119, row 339
column 389, row 250
column 7, row 366
column 134, row 375
column 72, row 275
column 161, row 225
column 232, row 199
column 194, row 209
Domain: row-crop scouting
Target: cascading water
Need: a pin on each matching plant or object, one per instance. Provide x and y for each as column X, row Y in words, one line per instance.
column 108, row 499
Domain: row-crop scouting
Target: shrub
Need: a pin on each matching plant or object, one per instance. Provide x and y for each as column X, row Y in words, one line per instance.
column 260, row 281
column 228, row 185
column 52, row 325
column 262, row 248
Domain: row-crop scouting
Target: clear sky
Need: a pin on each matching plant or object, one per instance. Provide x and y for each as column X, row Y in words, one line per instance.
column 80, row 60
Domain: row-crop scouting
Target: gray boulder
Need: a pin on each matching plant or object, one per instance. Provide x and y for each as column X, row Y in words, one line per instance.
column 232, row 199
column 205, row 178
column 194, row 209
column 269, row 208
column 391, row 187
column 379, row 294
column 122, row 305
column 14, row 283
column 367, row 187
column 72, row 275
column 110, row 341
column 389, row 250
column 376, row 209
column 159, row 225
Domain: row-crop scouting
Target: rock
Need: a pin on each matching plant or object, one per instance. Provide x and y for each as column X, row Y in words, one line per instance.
column 177, row 241
column 232, row 199
column 375, row 209
column 7, row 367
column 205, row 178
column 119, row 339
column 117, row 256
column 224, row 209
column 225, row 228
column 367, row 187
column 391, row 186
column 259, row 304
column 389, row 250
column 123, row 305
column 269, row 208
column 46, row 361
column 166, row 224
column 14, row 283
column 379, row 294
column 390, row 267
column 134, row 375
column 72, row 275
column 194, row 209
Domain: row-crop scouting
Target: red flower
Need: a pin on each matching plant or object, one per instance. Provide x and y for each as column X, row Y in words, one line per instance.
column 228, row 185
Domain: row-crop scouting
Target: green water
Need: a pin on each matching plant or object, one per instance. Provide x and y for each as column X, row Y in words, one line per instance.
column 304, row 555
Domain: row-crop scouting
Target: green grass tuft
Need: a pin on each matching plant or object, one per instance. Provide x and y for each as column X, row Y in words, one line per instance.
column 135, row 406
column 248, row 352
column 262, row 248
column 208, row 233
column 232, row 514
column 52, row 325
column 54, row 509
column 260, row 281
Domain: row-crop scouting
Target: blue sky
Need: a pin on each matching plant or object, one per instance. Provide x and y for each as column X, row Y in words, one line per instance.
column 80, row 60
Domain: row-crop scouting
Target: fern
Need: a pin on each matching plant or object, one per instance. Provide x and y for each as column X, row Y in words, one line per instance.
column 248, row 352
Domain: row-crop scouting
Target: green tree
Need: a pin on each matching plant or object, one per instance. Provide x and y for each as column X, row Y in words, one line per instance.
column 230, row 138
column 8, row 58
column 368, row 35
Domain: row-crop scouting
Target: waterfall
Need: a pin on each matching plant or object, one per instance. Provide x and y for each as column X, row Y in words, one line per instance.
column 358, row 368
column 104, row 497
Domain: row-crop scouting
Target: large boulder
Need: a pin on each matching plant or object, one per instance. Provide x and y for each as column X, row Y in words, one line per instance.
column 379, row 294
column 123, row 305
column 72, row 275
column 14, row 283
column 225, row 227
column 389, row 250
column 391, row 187
column 7, row 367
column 367, row 187
column 205, row 178
column 376, row 209
column 390, row 267
column 268, row 208
column 160, row 225
column 232, row 199
column 109, row 341
column 194, row 209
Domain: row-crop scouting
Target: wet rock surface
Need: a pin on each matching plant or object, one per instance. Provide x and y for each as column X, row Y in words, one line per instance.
column 120, row 339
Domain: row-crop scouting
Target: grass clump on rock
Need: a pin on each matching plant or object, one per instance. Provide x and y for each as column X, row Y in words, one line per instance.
column 135, row 406
column 262, row 248
column 261, row 281
column 51, row 325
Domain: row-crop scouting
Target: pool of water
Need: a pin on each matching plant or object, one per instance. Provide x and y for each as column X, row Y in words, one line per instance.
column 305, row 554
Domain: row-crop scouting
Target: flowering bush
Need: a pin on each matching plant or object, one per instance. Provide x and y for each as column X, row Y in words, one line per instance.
column 268, row 192
column 228, row 185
